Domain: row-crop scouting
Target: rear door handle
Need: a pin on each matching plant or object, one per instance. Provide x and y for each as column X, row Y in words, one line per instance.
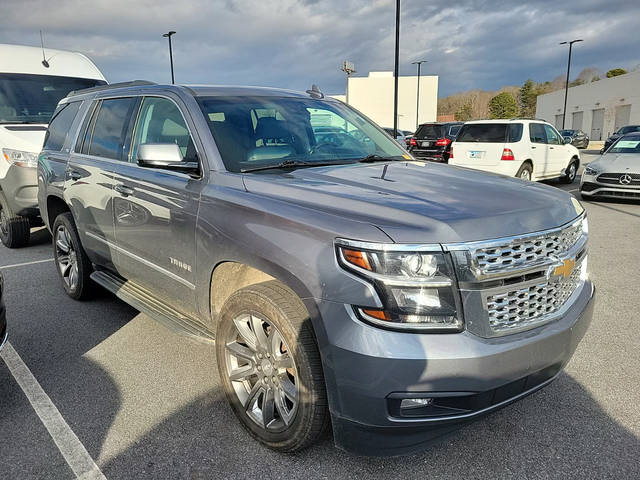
column 533, row 146
column 124, row 190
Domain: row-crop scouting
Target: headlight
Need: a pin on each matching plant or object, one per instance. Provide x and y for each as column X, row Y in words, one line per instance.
column 417, row 288
column 20, row 158
column 590, row 171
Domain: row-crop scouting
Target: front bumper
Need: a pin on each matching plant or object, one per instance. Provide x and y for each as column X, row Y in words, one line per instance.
column 20, row 187
column 591, row 187
column 368, row 370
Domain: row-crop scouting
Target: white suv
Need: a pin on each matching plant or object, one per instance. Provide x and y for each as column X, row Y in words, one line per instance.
column 527, row 149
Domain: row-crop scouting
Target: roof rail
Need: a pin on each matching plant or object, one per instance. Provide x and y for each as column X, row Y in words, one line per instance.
column 134, row 83
column 528, row 118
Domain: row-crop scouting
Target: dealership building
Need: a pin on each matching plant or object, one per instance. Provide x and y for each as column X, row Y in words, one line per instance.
column 373, row 96
column 597, row 108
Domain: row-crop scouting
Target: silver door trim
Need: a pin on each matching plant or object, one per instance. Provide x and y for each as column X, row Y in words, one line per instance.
column 146, row 262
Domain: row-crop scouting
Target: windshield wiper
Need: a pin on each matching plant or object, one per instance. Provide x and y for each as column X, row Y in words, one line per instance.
column 376, row 158
column 289, row 164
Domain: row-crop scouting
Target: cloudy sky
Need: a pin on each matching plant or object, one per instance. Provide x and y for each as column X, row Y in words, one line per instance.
column 294, row 43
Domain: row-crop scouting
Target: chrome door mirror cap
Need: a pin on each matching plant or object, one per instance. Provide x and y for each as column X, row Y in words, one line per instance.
column 166, row 156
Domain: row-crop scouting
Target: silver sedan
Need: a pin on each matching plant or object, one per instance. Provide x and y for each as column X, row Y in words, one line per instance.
column 616, row 174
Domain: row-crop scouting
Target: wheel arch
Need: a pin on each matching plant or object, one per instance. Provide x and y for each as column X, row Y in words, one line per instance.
column 55, row 206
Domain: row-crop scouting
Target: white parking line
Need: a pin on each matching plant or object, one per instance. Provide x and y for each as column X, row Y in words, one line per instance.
column 15, row 265
column 68, row 443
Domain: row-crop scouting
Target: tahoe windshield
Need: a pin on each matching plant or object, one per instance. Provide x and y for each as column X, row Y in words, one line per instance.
column 26, row 98
column 630, row 144
column 255, row 132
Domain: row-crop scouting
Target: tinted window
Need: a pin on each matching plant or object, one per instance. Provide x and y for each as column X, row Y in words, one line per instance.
column 629, row 129
column 483, row 132
column 453, row 131
column 553, row 138
column 59, row 126
column 515, row 132
column 27, row 98
column 160, row 121
column 110, row 128
column 537, row 133
column 430, row 131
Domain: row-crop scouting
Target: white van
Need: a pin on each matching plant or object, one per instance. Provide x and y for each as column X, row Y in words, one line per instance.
column 524, row 148
column 31, row 85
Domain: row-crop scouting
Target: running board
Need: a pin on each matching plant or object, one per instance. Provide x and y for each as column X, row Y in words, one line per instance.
column 147, row 303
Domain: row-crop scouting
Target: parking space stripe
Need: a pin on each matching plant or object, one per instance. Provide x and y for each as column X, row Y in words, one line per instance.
column 67, row 442
column 15, row 265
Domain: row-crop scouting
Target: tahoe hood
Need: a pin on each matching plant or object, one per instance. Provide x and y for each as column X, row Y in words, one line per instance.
column 416, row 202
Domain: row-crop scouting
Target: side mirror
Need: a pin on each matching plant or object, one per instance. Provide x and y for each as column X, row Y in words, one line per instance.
column 166, row 156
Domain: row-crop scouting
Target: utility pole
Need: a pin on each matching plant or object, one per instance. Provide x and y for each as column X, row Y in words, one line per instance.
column 168, row 35
column 395, row 72
column 419, row 64
column 566, row 85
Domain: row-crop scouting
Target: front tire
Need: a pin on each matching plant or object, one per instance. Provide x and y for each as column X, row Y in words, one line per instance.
column 15, row 230
column 72, row 263
column 270, row 367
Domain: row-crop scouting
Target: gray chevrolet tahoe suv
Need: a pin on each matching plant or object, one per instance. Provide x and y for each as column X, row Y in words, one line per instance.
column 340, row 280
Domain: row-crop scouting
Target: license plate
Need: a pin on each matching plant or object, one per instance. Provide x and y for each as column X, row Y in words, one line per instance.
column 426, row 144
column 475, row 154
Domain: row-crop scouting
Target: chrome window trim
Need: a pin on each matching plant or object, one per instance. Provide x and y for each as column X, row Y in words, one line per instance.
column 146, row 262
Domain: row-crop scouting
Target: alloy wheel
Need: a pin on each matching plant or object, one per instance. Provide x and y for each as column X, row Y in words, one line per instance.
column 525, row 174
column 572, row 172
column 66, row 258
column 4, row 222
column 262, row 372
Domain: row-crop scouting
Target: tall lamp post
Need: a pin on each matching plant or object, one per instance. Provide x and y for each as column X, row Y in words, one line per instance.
column 395, row 72
column 168, row 35
column 419, row 64
column 566, row 85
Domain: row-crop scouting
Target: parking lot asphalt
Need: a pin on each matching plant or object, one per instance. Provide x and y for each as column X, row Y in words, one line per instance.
column 146, row 403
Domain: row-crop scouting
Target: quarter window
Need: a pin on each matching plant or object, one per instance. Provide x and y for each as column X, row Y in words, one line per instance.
column 160, row 121
column 110, row 129
column 60, row 125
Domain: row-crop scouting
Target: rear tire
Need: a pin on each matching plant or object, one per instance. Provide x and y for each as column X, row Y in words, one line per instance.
column 270, row 367
column 524, row 172
column 570, row 176
column 15, row 230
column 72, row 263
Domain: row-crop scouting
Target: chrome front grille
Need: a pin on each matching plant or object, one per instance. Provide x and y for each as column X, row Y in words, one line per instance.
column 614, row 178
column 525, row 251
column 513, row 284
column 517, row 308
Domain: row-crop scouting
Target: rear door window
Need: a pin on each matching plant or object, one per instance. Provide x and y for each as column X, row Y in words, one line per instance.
column 431, row 132
column 483, row 133
column 537, row 133
column 59, row 126
column 110, row 128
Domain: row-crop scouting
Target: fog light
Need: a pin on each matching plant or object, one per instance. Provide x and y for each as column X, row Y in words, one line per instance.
column 415, row 403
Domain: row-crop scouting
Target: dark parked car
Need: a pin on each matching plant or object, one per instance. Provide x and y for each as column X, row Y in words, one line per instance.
column 578, row 138
column 432, row 141
column 627, row 129
column 343, row 283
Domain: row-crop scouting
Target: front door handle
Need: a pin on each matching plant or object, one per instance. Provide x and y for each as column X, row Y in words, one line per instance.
column 124, row 190
column 533, row 146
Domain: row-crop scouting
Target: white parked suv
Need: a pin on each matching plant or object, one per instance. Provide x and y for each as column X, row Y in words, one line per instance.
column 523, row 148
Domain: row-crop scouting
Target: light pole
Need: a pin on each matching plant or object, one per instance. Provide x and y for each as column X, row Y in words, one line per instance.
column 419, row 64
column 566, row 85
column 395, row 72
column 348, row 68
column 168, row 35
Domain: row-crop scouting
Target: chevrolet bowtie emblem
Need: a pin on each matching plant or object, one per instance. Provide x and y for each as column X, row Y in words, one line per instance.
column 565, row 269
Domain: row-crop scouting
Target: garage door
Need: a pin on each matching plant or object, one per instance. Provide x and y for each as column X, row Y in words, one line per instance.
column 623, row 114
column 597, row 123
column 576, row 121
column 559, row 122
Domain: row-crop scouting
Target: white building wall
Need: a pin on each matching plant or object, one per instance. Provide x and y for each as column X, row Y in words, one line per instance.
column 619, row 95
column 373, row 96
